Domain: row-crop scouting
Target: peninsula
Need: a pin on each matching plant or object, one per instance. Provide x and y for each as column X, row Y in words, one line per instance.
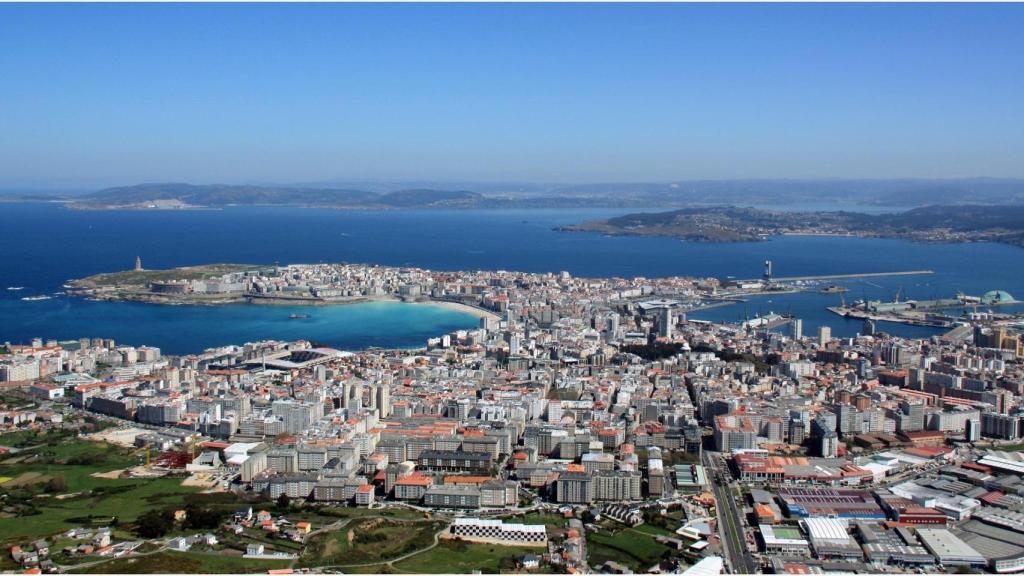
column 969, row 223
column 294, row 284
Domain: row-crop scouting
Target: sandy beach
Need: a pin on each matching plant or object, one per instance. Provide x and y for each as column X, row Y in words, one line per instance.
column 478, row 312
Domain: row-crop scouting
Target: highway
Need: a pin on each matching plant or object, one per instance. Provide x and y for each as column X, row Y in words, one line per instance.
column 730, row 521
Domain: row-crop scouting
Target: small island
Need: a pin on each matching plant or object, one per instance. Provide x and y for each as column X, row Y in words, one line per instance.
column 1004, row 224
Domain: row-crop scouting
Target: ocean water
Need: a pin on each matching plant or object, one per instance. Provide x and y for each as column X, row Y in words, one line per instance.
column 44, row 245
column 188, row 329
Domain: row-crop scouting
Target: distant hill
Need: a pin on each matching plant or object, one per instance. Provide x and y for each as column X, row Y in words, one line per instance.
column 947, row 223
column 882, row 192
column 177, row 195
column 693, row 193
column 424, row 197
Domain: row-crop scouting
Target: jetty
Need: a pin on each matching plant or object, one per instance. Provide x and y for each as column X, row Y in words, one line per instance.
column 840, row 276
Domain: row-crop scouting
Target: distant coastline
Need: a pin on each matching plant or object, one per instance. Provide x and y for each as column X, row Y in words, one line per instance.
column 362, row 195
column 936, row 224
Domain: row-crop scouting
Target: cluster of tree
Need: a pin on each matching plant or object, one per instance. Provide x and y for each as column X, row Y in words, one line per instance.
column 507, row 564
column 111, row 490
column 86, row 459
column 200, row 517
column 655, row 519
column 727, row 356
column 155, row 523
column 94, row 519
column 652, row 350
column 56, row 484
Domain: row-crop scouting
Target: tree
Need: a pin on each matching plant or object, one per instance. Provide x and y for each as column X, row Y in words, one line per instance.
column 202, row 518
column 283, row 502
column 155, row 523
column 57, row 484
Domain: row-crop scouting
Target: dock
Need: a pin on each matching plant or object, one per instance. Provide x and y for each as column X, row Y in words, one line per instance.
column 841, row 276
column 767, row 322
column 856, row 314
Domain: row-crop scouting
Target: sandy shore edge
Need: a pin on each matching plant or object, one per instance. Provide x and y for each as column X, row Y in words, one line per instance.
column 478, row 312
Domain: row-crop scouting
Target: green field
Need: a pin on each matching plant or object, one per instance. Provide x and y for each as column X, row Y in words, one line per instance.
column 788, row 532
column 141, row 277
column 90, row 501
column 553, row 522
column 637, row 550
column 655, row 530
column 24, row 438
column 133, row 498
column 464, row 557
column 171, row 562
column 369, row 540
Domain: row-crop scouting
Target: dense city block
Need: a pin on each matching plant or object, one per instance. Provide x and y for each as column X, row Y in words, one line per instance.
column 585, row 425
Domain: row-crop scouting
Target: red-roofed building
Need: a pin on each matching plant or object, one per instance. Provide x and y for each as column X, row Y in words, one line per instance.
column 992, row 497
column 412, row 487
column 976, row 467
column 924, row 437
column 932, row 452
column 920, row 515
column 364, row 495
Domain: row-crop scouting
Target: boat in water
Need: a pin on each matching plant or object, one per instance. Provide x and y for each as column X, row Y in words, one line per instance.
column 14, row 288
column 298, row 316
column 834, row 289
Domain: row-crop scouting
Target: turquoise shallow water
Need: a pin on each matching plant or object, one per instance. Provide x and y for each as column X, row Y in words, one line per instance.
column 188, row 329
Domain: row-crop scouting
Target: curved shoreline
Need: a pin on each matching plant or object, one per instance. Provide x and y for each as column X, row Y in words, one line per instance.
column 475, row 311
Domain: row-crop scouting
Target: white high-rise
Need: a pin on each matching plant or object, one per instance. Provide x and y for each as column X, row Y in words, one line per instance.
column 824, row 335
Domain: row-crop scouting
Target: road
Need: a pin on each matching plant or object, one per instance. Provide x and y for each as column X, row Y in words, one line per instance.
column 75, row 567
column 730, row 521
column 390, row 563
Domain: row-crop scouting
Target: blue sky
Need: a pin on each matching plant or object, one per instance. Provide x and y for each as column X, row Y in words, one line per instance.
column 94, row 95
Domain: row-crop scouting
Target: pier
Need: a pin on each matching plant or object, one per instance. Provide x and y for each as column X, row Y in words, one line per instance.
column 769, row 321
column 918, row 320
column 841, row 276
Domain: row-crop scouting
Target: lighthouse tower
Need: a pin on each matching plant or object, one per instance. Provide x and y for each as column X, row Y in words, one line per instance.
column 138, row 263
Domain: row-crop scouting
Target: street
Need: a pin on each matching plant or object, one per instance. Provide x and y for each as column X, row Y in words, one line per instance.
column 730, row 521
